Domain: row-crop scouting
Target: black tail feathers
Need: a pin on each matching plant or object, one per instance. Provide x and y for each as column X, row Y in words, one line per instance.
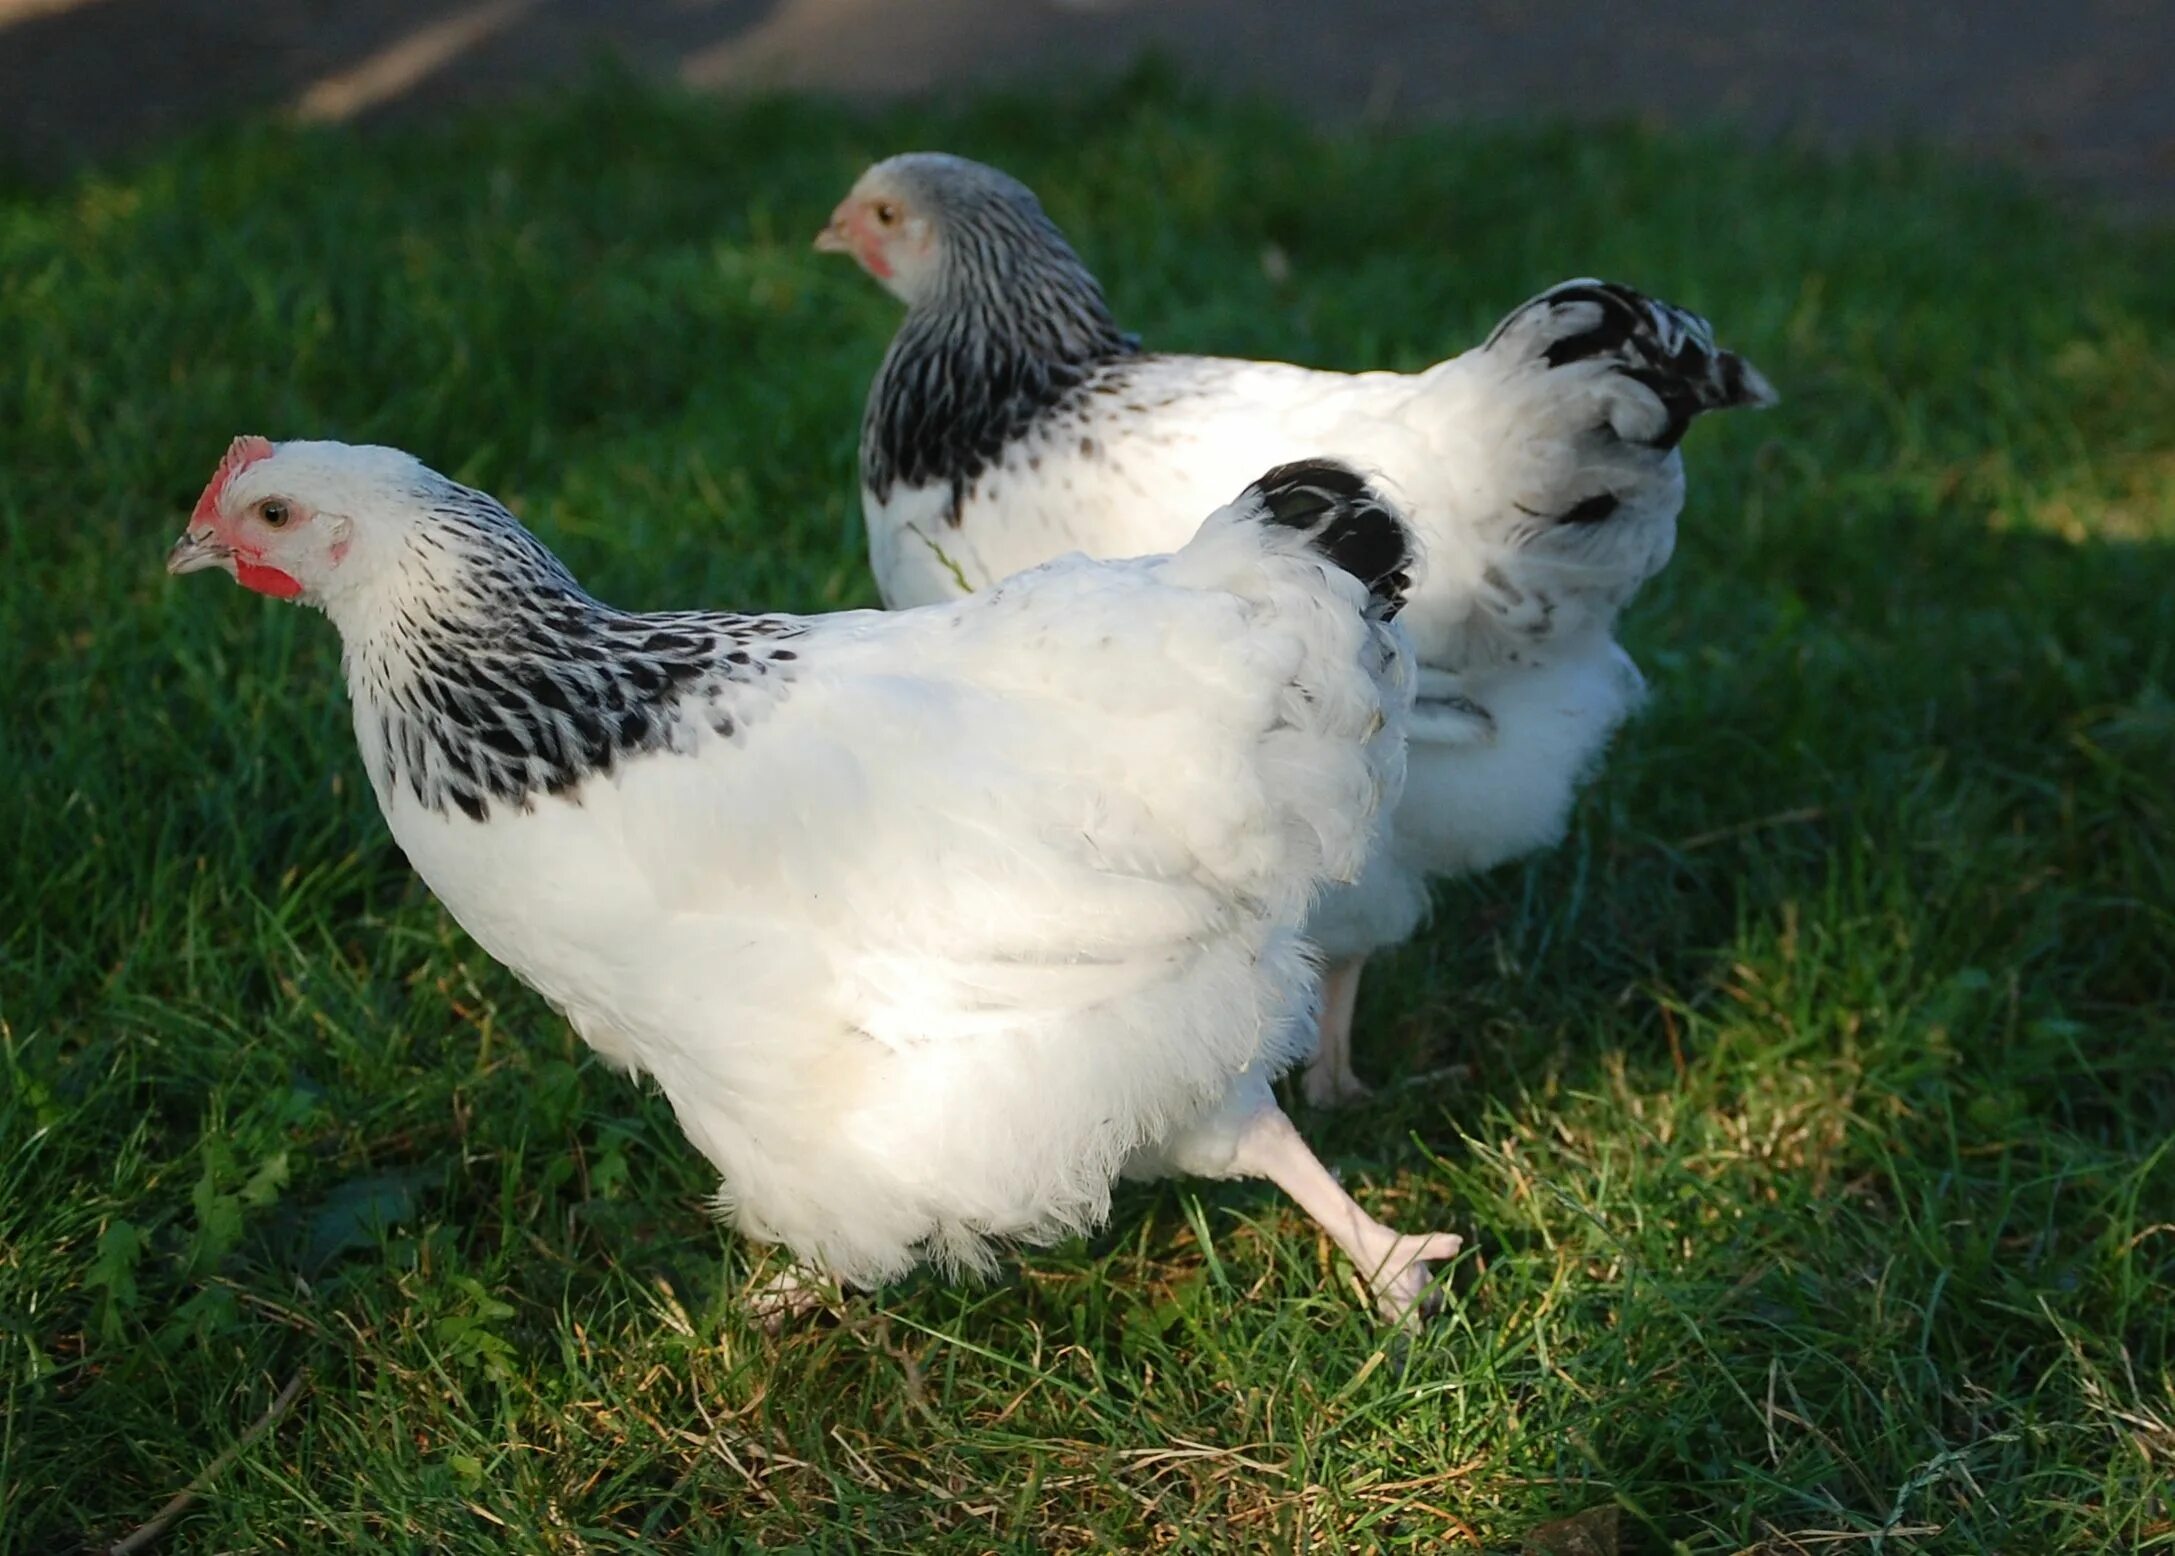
column 1345, row 520
column 1667, row 349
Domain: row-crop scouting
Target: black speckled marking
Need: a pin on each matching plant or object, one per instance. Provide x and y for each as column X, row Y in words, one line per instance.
column 1670, row 351
column 1018, row 329
column 1591, row 510
column 1346, row 520
column 1495, row 579
column 521, row 684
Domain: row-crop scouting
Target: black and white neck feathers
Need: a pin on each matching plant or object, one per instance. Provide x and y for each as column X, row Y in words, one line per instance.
column 1015, row 324
column 483, row 674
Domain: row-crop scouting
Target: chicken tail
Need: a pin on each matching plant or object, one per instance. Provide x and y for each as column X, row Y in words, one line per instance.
column 1557, row 476
column 1666, row 349
column 1323, row 562
column 1339, row 517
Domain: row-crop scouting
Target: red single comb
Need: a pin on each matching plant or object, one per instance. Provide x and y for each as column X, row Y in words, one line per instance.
column 241, row 454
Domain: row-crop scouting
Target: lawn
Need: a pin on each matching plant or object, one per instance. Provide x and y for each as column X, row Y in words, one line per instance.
column 1809, row 1113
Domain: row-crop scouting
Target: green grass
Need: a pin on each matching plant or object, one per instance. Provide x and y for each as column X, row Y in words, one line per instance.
column 1814, row 1126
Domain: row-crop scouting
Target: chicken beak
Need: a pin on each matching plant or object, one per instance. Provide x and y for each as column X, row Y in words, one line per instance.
column 196, row 550
column 833, row 239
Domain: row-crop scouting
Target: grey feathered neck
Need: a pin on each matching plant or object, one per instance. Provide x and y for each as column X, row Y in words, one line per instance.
column 1016, row 325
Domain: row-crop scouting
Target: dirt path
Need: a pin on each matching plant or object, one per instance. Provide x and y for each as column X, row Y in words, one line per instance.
column 2084, row 92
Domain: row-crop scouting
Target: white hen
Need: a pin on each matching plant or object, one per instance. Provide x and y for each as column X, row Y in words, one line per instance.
column 929, row 924
column 1013, row 421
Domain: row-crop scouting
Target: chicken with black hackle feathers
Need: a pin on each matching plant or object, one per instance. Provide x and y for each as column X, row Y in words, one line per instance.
column 1014, row 420
column 930, row 924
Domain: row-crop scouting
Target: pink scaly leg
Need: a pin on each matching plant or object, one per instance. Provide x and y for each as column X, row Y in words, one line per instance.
column 1393, row 1264
column 792, row 1295
column 1329, row 1079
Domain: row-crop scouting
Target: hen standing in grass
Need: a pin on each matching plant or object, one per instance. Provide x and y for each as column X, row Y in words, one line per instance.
column 1013, row 421
column 929, row 924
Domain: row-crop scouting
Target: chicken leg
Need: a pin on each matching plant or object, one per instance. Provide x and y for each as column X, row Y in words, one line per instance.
column 1329, row 1081
column 1393, row 1264
column 791, row 1295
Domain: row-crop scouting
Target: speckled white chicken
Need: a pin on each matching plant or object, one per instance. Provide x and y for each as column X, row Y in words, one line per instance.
column 930, row 923
column 1013, row 421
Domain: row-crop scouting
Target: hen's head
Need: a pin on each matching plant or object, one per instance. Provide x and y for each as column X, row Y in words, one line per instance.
column 912, row 220
column 302, row 521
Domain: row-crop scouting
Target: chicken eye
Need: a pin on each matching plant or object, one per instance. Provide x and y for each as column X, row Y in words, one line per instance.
column 273, row 512
column 886, row 213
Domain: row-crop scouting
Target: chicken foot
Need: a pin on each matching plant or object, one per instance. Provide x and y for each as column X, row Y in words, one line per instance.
column 1394, row 1264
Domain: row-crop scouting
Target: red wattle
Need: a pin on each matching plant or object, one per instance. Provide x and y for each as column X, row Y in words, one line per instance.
column 265, row 580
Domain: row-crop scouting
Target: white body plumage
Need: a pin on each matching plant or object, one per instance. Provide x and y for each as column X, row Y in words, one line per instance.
column 944, row 918
column 1523, row 680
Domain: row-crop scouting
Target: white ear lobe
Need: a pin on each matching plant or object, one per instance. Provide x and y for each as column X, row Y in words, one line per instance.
column 339, row 529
